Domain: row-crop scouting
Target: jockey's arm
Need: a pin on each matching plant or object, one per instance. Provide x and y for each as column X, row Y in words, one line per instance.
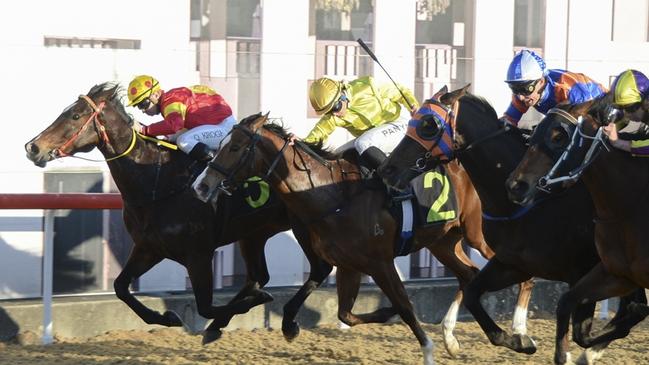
column 322, row 130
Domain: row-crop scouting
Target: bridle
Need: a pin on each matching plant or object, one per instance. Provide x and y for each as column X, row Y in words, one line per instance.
column 577, row 140
column 99, row 127
column 228, row 184
column 422, row 163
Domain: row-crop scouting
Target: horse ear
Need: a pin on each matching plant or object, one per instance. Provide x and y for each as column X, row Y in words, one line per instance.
column 453, row 96
column 443, row 90
column 260, row 121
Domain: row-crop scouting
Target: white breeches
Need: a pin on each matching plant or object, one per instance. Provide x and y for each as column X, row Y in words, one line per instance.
column 386, row 136
column 210, row 134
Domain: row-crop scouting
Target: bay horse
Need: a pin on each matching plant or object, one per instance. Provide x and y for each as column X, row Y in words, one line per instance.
column 350, row 225
column 165, row 220
column 529, row 241
column 568, row 145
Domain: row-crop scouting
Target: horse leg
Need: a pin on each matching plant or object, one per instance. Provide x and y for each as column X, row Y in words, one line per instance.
column 320, row 270
column 450, row 253
column 347, row 285
column 625, row 317
column 139, row 262
column 495, row 276
column 596, row 285
column 249, row 296
column 519, row 322
column 387, row 278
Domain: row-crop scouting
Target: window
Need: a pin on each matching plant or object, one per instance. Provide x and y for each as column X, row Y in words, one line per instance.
column 343, row 20
column 529, row 23
column 74, row 42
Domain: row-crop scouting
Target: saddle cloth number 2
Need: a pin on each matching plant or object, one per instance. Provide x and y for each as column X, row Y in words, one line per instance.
column 434, row 214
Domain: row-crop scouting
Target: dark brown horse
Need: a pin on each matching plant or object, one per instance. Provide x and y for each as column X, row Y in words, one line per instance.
column 349, row 224
column 567, row 145
column 163, row 217
column 529, row 241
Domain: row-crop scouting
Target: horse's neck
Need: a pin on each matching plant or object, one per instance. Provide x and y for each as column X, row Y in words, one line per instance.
column 618, row 184
column 143, row 174
column 490, row 182
column 308, row 187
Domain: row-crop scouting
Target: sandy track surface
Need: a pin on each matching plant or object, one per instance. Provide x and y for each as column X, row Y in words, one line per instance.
column 370, row 344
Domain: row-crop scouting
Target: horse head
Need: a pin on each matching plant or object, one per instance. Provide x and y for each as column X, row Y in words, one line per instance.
column 82, row 126
column 564, row 143
column 429, row 139
column 236, row 160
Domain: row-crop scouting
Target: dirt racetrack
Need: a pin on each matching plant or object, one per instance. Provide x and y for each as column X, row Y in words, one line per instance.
column 370, row 344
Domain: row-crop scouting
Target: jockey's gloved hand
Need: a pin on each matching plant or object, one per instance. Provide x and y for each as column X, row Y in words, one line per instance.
column 139, row 127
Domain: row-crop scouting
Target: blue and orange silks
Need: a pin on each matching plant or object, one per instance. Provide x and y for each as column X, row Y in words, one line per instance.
column 561, row 87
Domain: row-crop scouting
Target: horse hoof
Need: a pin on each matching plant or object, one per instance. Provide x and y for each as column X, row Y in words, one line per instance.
column 452, row 346
column 265, row 297
column 524, row 344
column 172, row 319
column 291, row 331
column 210, row 336
column 589, row 356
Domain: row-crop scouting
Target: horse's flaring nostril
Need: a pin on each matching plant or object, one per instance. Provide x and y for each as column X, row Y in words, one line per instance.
column 203, row 188
column 32, row 148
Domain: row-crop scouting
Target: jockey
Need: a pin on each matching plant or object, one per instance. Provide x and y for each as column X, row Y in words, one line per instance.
column 533, row 85
column 631, row 95
column 196, row 117
column 377, row 115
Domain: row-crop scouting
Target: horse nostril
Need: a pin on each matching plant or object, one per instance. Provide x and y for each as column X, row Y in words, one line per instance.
column 518, row 186
column 32, row 148
column 203, row 188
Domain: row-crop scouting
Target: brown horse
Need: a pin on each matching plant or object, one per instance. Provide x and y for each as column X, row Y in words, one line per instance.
column 163, row 217
column 567, row 145
column 528, row 241
column 349, row 224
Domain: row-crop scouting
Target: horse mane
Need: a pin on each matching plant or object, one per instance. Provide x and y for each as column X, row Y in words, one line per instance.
column 112, row 93
column 598, row 108
column 279, row 130
column 481, row 104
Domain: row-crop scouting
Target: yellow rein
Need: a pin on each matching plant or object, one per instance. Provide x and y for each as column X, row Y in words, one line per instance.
column 159, row 142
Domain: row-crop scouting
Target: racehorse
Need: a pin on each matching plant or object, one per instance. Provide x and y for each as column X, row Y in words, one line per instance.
column 529, row 241
column 567, row 145
column 165, row 220
column 349, row 224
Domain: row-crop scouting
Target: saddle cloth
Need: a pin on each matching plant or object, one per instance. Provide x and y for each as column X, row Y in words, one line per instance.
column 431, row 202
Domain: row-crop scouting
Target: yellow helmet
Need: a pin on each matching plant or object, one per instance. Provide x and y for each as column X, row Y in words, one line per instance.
column 323, row 94
column 140, row 88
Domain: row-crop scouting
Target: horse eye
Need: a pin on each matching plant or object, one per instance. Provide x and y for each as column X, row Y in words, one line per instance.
column 75, row 116
column 234, row 148
column 557, row 135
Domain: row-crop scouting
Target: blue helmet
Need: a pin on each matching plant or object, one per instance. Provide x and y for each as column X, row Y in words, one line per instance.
column 526, row 66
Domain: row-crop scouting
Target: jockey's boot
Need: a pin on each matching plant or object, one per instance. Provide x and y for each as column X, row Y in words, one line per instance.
column 373, row 157
column 201, row 152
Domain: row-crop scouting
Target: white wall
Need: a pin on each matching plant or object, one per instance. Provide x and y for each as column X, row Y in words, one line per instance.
column 493, row 41
column 285, row 68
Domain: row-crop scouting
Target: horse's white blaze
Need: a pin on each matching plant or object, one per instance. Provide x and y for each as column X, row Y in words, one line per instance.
column 519, row 323
column 448, row 325
column 427, row 350
column 197, row 182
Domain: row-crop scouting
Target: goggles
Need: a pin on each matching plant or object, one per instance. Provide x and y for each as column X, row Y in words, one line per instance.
column 339, row 105
column 144, row 104
column 524, row 89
